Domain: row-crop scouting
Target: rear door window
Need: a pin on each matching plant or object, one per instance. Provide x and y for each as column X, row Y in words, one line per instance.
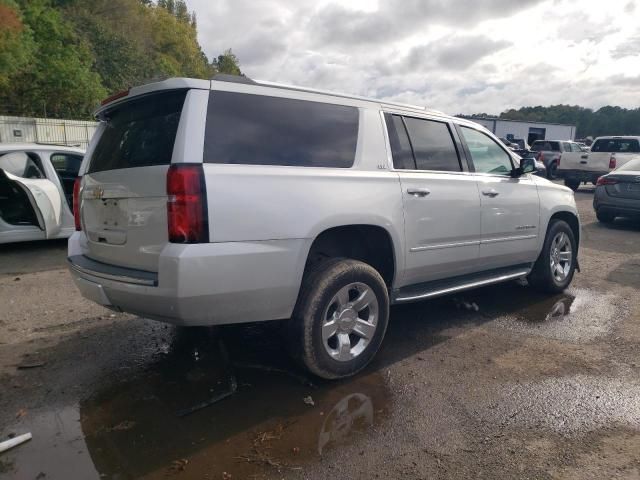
column 433, row 145
column 65, row 164
column 262, row 130
column 139, row 133
column 616, row 145
column 400, row 145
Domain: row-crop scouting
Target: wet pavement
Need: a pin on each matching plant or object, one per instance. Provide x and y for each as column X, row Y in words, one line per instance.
column 501, row 382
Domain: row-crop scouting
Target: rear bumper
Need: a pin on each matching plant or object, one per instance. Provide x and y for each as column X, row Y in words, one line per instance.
column 580, row 175
column 603, row 202
column 201, row 284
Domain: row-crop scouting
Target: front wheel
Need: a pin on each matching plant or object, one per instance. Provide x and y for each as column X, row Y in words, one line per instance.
column 572, row 184
column 340, row 318
column 554, row 269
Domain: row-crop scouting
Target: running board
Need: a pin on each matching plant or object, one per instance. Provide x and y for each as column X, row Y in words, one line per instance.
column 438, row 288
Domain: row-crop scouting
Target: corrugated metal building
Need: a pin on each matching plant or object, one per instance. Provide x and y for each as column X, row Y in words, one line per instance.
column 530, row 131
column 45, row 130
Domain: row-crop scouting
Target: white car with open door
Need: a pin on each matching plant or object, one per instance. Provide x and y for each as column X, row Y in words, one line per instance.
column 36, row 191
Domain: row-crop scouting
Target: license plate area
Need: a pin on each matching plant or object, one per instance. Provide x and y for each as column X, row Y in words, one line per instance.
column 114, row 213
column 110, row 221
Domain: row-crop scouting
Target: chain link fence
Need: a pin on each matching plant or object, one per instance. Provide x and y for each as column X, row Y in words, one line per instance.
column 76, row 133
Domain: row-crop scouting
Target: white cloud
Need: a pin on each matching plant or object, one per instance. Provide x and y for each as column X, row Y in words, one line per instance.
column 460, row 56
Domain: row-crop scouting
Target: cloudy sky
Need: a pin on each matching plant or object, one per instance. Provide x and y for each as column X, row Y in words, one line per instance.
column 459, row 56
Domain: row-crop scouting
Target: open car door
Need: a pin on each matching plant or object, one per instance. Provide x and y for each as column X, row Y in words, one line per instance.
column 45, row 200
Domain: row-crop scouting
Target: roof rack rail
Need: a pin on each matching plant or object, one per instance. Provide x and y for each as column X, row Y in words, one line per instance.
column 336, row 94
column 225, row 77
column 264, row 83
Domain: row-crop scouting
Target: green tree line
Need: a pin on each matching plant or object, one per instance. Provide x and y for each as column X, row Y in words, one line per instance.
column 604, row 121
column 59, row 58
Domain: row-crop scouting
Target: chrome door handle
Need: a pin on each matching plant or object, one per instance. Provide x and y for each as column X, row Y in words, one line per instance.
column 418, row 192
column 490, row 193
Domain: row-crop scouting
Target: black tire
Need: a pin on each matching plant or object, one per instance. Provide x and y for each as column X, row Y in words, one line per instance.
column 541, row 277
column 320, row 285
column 572, row 184
column 605, row 217
column 552, row 170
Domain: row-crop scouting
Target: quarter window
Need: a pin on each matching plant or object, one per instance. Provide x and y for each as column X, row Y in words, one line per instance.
column 433, row 145
column 262, row 130
column 486, row 154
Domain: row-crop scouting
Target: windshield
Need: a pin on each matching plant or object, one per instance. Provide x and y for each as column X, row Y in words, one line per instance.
column 545, row 146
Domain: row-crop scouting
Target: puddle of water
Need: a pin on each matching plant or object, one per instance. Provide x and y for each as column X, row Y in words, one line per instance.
column 158, row 420
column 577, row 315
column 548, row 309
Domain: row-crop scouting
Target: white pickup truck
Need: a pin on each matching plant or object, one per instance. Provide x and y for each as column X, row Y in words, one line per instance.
column 606, row 154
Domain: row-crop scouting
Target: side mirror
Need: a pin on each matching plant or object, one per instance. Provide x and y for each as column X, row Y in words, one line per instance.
column 528, row 165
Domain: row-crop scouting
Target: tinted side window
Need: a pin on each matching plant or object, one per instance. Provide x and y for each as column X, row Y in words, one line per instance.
column 21, row 164
column 400, row 145
column 566, row 147
column 486, row 154
column 433, row 145
column 66, row 164
column 260, row 130
column 139, row 133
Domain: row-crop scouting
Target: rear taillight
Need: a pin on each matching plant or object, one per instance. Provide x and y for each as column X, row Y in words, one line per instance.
column 76, row 203
column 559, row 158
column 187, row 204
column 612, row 162
column 606, row 181
column 540, row 157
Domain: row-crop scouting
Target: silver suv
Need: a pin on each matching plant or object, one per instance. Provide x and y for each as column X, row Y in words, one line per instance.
column 227, row 201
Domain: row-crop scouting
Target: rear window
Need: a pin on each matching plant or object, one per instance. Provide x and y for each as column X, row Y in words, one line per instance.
column 261, row 130
column 21, row 164
column 611, row 145
column 545, row 146
column 140, row 133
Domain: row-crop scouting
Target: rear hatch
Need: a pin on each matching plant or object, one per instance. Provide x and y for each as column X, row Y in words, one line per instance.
column 124, row 200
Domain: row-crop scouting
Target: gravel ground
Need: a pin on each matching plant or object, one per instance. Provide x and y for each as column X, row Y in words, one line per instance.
column 496, row 383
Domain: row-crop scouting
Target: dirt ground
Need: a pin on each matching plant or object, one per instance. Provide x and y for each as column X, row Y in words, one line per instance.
column 500, row 382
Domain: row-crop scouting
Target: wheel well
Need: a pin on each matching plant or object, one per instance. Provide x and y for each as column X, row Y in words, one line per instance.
column 572, row 220
column 368, row 243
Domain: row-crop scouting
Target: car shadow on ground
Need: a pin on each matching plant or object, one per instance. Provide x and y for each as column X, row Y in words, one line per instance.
column 229, row 399
column 29, row 257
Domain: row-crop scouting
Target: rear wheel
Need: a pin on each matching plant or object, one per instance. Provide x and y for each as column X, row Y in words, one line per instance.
column 605, row 217
column 340, row 318
column 554, row 269
column 572, row 184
